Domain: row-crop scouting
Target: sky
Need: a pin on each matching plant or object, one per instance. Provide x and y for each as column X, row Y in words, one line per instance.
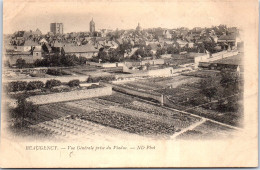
column 109, row 14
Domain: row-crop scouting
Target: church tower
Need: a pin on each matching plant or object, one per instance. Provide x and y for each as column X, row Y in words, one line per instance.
column 92, row 26
column 138, row 28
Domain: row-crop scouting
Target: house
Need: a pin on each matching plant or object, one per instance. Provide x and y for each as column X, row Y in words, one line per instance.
column 119, row 41
column 12, row 57
column 56, row 46
column 191, row 44
column 167, row 34
column 28, row 45
column 166, row 56
column 215, row 38
column 43, row 41
column 153, row 62
column 37, row 52
column 87, row 51
column 130, row 53
column 154, row 47
column 180, row 43
column 228, row 40
column 107, row 44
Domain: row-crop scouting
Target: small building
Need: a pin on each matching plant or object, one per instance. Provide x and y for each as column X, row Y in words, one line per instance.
column 28, row 45
column 29, row 58
column 152, row 62
column 87, row 51
column 164, row 56
column 228, row 41
column 37, row 52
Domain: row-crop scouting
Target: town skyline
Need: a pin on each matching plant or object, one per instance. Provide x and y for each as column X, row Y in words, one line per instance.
column 105, row 17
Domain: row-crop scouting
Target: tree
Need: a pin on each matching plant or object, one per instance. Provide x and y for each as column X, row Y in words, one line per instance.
column 230, row 82
column 23, row 112
column 68, row 60
column 172, row 50
column 140, row 52
column 209, row 46
column 82, row 60
column 103, row 55
column 38, row 63
column 208, row 88
column 20, row 63
column 160, row 51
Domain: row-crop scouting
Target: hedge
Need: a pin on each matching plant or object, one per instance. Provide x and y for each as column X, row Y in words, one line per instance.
column 17, row 86
column 100, row 78
column 35, row 85
column 73, row 83
column 52, row 83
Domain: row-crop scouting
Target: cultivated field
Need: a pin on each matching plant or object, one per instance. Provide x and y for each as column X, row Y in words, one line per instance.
column 118, row 111
column 132, row 117
column 184, row 93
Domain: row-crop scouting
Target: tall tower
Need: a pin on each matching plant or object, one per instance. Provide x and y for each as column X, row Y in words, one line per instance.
column 56, row 28
column 92, row 26
column 138, row 28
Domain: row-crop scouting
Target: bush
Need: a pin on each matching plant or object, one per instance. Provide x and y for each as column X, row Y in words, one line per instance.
column 93, row 86
column 52, row 83
column 61, row 88
column 35, row 85
column 20, row 63
column 17, row 86
column 101, row 78
column 73, row 83
column 54, row 72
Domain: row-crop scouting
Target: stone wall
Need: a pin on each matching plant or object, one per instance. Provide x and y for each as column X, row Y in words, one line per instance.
column 70, row 96
column 215, row 56
column 63, row 79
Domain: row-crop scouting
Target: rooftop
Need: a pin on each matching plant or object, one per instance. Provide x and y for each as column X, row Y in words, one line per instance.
column 80, row 49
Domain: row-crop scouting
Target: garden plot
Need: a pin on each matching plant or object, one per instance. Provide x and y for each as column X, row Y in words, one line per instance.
column 73, row 128
column 178, row 80
column 129, row 123
column 68, row 127
column 203, row 73
column 120, row 112
column 140, row 86
column 118, row 98
column 179, row 120
column 91, row 111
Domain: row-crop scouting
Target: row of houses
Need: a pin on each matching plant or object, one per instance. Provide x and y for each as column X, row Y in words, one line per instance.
column 37, row 45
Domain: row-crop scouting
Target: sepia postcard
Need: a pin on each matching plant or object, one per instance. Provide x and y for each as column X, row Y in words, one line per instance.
column 122, row 84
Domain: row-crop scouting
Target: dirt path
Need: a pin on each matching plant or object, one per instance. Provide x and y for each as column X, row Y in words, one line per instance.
column 191, row 127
